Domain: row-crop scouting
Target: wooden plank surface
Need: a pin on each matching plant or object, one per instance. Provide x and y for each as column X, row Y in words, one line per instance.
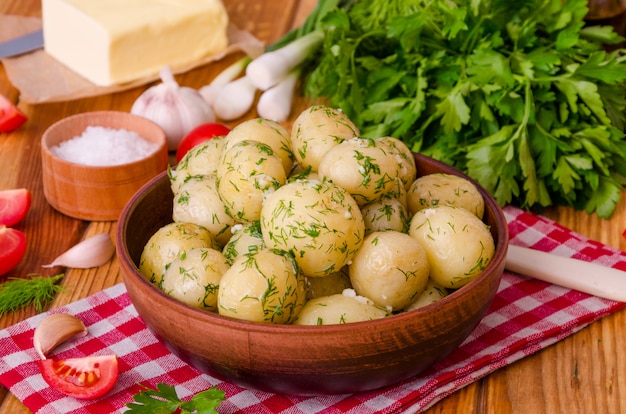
column 584, row 373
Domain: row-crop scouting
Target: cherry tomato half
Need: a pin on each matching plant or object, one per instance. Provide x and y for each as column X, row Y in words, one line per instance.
column 12, row 248
column 14, row 204
column 10, row 116
column 83, row 378
column 198, row 135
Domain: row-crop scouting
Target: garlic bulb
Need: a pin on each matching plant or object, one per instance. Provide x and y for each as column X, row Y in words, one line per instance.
column 176, row 109
column 92, row 252
column 56, row 329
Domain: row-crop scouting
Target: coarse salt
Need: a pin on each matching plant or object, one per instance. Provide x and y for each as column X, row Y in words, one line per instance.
column 102, row 146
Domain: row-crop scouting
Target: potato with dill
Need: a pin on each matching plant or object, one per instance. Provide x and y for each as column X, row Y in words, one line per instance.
column 391, row 269
column 198, row 201
column 431, row 294
column 386, row 213
column 334, row 283
column 445, row 189
column 167, row 244
column 245, row 172
column 318, row 221
column 458, row 244
column 267, row 132
column 407, row 169
column 262, row 286
column 194, row 277
column 340, row 308
column 316, row 130
column 198, row 162
column 365, row 167
column 245, row 238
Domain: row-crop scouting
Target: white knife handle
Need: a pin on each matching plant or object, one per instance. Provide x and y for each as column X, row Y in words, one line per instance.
column 586, row 277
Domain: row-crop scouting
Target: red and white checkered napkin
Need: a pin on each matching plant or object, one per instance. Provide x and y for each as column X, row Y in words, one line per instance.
column 526, row 316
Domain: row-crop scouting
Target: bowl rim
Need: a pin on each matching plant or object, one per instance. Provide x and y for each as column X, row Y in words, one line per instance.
column 269, row 328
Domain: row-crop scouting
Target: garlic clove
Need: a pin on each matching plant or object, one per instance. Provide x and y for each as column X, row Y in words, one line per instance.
column 92, row 252
column 56, row 329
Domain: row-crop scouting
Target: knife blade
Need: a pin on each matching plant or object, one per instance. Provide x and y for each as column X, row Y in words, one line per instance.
column 21, row 44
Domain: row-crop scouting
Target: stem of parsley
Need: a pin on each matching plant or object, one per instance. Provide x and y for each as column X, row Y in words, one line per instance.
column 16, row 293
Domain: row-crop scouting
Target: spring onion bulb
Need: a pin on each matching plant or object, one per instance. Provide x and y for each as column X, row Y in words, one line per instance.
column 271, row 67
column 211, row 91
column 235, row 99
column 275, row 103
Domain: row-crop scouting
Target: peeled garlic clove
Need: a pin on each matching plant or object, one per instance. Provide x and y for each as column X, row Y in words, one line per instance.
column 56, row 329
column 92, row 252
column 176, row 109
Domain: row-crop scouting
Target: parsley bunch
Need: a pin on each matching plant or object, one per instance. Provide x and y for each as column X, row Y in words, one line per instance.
column 521, row 96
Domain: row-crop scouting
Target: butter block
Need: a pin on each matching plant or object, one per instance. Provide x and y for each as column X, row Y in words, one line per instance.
column 117, row 41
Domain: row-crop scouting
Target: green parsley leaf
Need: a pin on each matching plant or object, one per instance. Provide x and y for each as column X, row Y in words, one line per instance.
column 165, row 400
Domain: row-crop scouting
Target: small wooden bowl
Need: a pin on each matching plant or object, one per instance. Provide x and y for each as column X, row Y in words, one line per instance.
column 303, row 360
column 98, row 193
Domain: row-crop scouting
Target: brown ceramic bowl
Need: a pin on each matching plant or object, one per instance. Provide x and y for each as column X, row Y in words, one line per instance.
column 303, row 360
column 98, row 193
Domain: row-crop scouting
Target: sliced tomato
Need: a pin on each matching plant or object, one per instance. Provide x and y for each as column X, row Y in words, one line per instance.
column 12, row 248
column 83, row 378
column 198, row 135
column 14, row 204
column 10, row 116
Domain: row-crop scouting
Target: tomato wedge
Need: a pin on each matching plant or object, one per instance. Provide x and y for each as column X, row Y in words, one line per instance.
column 83, row 378
column 12, row 248
column 14, row 204
column 198, row 135
column 11, row 117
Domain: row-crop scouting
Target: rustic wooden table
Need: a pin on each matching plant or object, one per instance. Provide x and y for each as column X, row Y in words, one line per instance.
column 584, row 373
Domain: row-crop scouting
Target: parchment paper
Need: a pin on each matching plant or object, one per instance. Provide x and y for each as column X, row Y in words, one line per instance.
column 41, row 78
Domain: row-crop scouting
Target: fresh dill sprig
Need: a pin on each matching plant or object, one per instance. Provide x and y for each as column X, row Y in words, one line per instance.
column 16, row 293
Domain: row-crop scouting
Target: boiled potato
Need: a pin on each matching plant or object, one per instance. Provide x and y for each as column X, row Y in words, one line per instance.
column 167, row 244
column 445, row 189
column 268, row 132
column 300, row 173
column 385, row 214
column 194, row 277
column 262, row 286
column 458, row 244
column 405, row 159
column 319, row 222
column 340, row 308
column 366, row 168
column 198, row 201
column 334, row 283
column 431, row 294
column 391, row 269
column 200, row 161
column 316, row 130
column 246, row 238
column 245, row 173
